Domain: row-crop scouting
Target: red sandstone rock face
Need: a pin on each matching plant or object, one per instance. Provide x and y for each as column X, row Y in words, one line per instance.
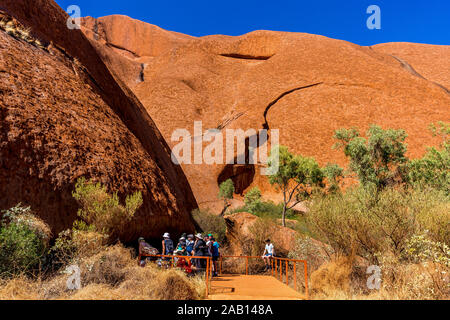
column 429, row 61
column 63, row 115
column 325, row 84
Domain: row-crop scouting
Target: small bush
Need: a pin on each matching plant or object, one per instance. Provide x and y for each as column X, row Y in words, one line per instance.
column 432, row 170
column 226, row 191
column 107, row 267
column 314, row 252
column 419, row 249
column 210, row 223
column 252, row 198
column 103, row 210
column 174, row 285
column 377, row 222
column 73, row 245
column 332, row 277
column 23, row 241
column 266, row 209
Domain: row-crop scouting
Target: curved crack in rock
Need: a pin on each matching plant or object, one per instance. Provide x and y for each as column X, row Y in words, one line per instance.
column 266, row 124
column 245, row 56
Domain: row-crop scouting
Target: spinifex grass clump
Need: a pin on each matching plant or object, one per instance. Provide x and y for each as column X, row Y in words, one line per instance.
column 16, row 30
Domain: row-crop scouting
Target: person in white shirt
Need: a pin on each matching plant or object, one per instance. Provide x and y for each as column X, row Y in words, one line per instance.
column 269, row 252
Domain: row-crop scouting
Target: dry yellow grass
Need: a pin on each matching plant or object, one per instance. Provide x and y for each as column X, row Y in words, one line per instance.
column 400, row 281
column 19, row 289
column 332, row 277
column 111, row 274
column 15, row 29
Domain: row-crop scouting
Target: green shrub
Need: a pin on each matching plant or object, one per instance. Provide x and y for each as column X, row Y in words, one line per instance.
column 226, row 191
column 432, row 170
column 22, row 244
column 334, row 175
column 252, row 198
column 103, row 210
column 260, row 231
column 266, row 209
column 210, row 223
column 378, row 160
column 378, row 222
column 419, row 248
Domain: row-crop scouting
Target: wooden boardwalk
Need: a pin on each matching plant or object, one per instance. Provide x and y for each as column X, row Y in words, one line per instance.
column 251, row 287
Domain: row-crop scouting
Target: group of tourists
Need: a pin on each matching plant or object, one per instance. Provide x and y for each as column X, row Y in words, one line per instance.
column 195, row 246
column 188, row 245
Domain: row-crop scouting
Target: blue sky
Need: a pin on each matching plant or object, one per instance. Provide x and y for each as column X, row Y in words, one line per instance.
column 401, row 20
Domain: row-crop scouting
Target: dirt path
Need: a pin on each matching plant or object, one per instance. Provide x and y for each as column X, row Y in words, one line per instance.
column 242, row 287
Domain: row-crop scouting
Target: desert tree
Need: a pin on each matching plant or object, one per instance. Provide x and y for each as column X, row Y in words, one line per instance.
column 378, row 160
column 297, row 178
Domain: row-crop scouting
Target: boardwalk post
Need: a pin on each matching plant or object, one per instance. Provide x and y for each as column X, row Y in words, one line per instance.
column 306, row 280
column 207, row 276
column 271, row 262
column 281, row 270
column 246, row 265
column 287, row 272
column 295, row 276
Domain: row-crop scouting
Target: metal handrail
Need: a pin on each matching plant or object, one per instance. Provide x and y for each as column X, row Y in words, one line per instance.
column 276, row 264
column 208, row 274
column 277, row 268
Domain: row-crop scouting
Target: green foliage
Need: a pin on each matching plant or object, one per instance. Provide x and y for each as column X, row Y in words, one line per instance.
column 103, row 210
column 22, row 247
column 266, row 209
column 252, row 200
column 226, row 189
column 433, row 169
column 422, row 249
column 252, row 196
column 378, row 160
column 298, row 177
column 210, row 223
column 334, row 175
column 441, row 129
column 378, row 223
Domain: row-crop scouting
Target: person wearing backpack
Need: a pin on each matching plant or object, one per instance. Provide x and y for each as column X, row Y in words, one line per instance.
column 181, row 247
column 215, row 254
column 167, row 246
column 199, row 251
column 190, row 244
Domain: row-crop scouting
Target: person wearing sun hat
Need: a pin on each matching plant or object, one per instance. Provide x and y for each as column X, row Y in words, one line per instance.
column 167, row 245
column 199, row 250
column 190, row 244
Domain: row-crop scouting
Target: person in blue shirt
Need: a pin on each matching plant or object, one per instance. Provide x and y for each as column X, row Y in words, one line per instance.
column 190, row 244
column 215, row 254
